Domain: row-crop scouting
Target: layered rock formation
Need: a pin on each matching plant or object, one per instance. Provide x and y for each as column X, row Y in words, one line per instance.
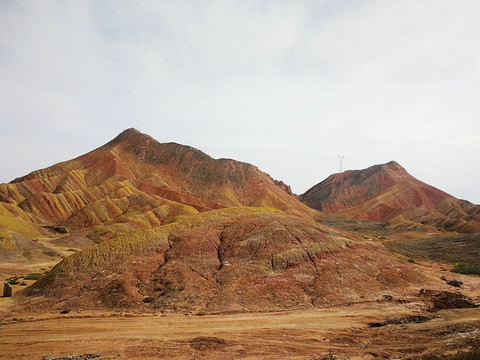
column 165, row 227
column 388, row 193
column 227, row 260
column 132, row 183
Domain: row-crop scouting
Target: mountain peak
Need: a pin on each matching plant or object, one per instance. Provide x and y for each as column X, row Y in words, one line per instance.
column 392, row 163
column 355, row 187
column 387, row 192
column 130, row 131
column 130, row 135
column 395, row 170
column 395, row 166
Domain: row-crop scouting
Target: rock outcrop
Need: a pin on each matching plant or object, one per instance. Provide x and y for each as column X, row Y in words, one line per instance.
column 7, row 290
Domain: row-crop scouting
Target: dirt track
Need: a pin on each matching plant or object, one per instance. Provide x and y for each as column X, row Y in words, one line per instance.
column 340, row 331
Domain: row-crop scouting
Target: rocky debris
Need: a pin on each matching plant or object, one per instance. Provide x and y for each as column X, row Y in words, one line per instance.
column 73, row 357
column 56, row 229
column 203, row 343
column 444, row 300
column 412, row 319
column 452, row 282
column 7, row 290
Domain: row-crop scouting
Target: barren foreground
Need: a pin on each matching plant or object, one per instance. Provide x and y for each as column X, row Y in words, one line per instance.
column 340, row 331
column 343, row 331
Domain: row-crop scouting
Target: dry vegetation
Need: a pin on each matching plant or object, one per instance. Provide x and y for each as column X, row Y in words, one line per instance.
column 463, row 249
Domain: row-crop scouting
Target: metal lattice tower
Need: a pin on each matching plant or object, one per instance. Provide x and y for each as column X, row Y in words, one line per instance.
column 340, row 163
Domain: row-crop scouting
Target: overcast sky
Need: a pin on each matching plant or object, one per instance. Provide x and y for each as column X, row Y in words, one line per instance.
column 285, row 85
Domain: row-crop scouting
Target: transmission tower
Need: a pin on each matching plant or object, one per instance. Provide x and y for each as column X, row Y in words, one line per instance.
column 340, row 163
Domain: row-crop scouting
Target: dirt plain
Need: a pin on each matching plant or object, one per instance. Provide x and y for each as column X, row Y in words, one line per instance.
column 340, row 331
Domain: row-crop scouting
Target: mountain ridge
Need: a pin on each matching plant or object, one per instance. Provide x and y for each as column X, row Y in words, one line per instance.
column 132, row 183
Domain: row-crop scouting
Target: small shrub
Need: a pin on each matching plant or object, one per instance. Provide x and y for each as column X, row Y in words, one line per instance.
column 13, row 281
column 50, row 253
column 407, row 260
column 35, row 276
column 466, row 269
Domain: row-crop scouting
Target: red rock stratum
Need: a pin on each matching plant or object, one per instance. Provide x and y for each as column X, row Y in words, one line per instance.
column 389, row 193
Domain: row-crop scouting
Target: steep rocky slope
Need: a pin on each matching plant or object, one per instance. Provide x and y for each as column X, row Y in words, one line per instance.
column 388, row 193
column 132, row 183
column 227, row 260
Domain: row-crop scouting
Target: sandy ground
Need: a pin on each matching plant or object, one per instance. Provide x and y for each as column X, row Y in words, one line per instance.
column 342, row 331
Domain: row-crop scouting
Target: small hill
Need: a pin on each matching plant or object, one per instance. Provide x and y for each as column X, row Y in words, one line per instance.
column 227, row 260
column 389, row 193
